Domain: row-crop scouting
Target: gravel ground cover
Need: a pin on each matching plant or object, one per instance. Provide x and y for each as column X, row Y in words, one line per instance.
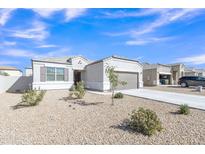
column 58, row 120
column 178, row 89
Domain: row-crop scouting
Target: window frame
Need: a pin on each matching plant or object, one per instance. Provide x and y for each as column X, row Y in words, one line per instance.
column 47, row 74
column 63, row 75
column 55, row 74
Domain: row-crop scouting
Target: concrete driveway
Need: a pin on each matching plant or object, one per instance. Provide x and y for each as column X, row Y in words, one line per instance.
column 169, row 97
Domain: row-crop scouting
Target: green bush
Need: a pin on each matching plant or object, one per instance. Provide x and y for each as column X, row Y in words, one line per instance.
column 78, row 90
column 118, row 95
column 145, row 121
column 4, row 73
column 33, row 97
column 184, row 109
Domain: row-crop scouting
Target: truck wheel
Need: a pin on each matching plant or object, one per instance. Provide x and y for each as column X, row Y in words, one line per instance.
column 184, row 84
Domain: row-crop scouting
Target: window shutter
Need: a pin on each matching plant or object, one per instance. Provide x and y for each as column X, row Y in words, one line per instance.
column 66, row 74
column 43, row 74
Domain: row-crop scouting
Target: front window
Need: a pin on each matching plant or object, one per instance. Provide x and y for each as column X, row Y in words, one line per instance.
column 60, row 74
column 50, row 74
column 55, row 74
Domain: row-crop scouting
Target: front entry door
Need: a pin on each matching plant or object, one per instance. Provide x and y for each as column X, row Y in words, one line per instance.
column 77, row 76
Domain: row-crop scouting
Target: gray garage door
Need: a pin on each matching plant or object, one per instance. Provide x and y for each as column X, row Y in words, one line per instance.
column 130, row 78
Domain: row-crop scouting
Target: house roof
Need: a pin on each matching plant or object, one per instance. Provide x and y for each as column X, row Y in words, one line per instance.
column 63, row 60
column 55, row 60
column 113, row 56
column 9, row 68
column 154, row 66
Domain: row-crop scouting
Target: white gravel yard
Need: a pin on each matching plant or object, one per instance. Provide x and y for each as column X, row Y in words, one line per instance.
column 60, row 121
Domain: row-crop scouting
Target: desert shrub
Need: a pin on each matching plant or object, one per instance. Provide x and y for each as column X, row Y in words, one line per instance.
column 32, row 97
column 184, row 109
column 4, row 73
column 145, row 121
column 78, row 90
column 118, row 95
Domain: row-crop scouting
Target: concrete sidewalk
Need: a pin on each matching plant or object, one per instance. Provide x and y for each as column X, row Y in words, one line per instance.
column 169, row 97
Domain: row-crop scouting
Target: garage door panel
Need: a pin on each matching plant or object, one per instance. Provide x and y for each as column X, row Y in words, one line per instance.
column 130, row 78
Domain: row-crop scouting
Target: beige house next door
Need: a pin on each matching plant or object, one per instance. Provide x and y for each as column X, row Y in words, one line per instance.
column 130, row 78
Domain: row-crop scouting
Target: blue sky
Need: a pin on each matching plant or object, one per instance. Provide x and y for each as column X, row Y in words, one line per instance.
column 149, row 35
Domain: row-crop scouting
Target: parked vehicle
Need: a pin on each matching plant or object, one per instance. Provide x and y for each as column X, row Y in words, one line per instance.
column 187, row 81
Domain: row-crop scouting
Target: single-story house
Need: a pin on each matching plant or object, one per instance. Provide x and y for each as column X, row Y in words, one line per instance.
column 10, row 71
column 161, row 74
column 62, row 73
column 194, row 72
column 156, row 74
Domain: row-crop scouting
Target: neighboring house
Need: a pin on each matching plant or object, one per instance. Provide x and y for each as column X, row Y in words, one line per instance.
column 194, row 72
column 160, row 74
column 11, row 71
column 157, row 74
column 28, row 71
column 62, row 73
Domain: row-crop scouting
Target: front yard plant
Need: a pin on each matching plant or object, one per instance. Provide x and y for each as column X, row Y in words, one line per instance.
column 145, row 121
column 118, row 95
column 4, row 73
column 184, row 109
column 32, row 97
column 78, row 90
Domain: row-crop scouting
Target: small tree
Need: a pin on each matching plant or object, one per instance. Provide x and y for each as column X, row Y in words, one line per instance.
column 114, row 81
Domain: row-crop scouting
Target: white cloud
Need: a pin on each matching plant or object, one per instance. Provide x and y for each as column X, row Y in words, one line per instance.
column 165, row 17
column 71, row 14
column 38, row 31
column 5, row 15
column 47, row 46
column 7, row 43
column 18, row 53
column 125, row 14
column 144, row 41
column 194, row 60
column 46, row 13
column 32, row 54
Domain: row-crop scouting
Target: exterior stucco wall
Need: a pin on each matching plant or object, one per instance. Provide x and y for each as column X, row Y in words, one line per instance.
column 164, row 69
column 177, row 72
column 6, row 82
column 79, row 63
column 94, row 76
column 150, row 77
column 37, row 84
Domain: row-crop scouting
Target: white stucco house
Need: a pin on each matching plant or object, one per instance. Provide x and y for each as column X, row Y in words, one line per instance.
column 62, row 73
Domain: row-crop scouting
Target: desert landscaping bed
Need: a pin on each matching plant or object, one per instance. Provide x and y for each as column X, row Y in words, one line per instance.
column 58, row 120
column 178, row 89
